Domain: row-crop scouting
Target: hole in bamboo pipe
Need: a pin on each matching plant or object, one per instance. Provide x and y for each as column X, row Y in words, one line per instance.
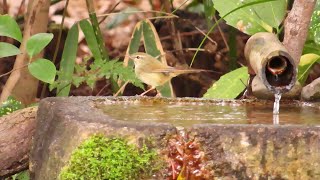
column 279, row 71
column 277, row 65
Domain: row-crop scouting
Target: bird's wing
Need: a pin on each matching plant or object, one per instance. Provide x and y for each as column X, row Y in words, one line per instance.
column 164, row 70
column 156, row 67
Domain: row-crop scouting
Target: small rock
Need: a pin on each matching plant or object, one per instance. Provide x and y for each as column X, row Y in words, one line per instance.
column 260, row 91
column 311, row 92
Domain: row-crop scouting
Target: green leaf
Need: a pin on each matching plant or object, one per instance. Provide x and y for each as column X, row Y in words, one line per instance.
column 9, row 106
column 24, row 175
column 271, row 13
column 117, row 70
column 76, row 80
column 166, row 89
column 253, row 18
column 135, row 40
column 10, row 28
column 7, row 50
column 97, row 32
column 43, row 70
column 151, row 40
column 195, row 7
column 311, row 47
column 230, row 85
column 315, row 24
column 91, row 39
column 91, row 80
column 37, row 43
column 68, row 62
column 306, row 62
column 134, row 43
column 209, row 11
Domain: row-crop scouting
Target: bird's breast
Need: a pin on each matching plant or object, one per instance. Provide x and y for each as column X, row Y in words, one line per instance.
column 152, row 79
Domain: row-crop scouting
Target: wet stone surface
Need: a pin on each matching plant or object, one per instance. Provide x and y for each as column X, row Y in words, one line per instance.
column 311, row 92
column 235, row 138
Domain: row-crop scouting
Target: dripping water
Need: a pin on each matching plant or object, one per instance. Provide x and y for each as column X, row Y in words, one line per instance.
column 276, row 106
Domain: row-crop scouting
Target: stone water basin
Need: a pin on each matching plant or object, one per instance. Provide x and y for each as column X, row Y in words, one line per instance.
column 237, row 139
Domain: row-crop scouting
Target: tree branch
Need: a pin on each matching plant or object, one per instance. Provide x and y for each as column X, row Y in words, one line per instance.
column 16, row 131
column 296, row 27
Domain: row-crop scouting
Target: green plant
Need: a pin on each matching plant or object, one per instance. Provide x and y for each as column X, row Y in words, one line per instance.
column 108, row 158
column 314, row 29
column 24, row 175
column 312, row 44
column 76, row 74
column 41, row 69
column 45, row 70
column 109, row 69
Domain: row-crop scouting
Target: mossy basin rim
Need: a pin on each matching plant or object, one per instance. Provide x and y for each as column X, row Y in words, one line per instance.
column 189, row 111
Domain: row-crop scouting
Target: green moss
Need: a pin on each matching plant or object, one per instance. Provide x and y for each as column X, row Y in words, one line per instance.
column 108, row 158
column 10, row 106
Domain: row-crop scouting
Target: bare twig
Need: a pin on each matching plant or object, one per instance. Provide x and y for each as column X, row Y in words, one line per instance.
column 176, row 40
column 5, row 7
column 121, row 89
column 104, row 87
column 184, row 34
column 110, row 11
column 203, row 33
column 20, row 7
column 180, row 6
column 7, row 73
column 168, row 15
column 14, row 77
column 60, row 32
column 57, row 45
column 222, row 34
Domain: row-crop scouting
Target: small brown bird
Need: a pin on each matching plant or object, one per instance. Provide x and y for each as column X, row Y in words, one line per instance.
column 154, row 73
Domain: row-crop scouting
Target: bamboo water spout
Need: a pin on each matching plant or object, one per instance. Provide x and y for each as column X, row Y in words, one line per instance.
column 271, row 62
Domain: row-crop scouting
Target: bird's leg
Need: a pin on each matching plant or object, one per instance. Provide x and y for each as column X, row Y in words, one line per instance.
column 152, row 88
column 158, row 94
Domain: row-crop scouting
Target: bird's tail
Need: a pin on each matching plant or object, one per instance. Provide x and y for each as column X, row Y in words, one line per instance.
column 175, row 71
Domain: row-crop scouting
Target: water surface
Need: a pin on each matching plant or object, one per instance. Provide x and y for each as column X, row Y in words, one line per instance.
column 187, row 114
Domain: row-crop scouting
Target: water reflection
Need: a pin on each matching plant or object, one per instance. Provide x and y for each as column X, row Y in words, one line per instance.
column 276, row 119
